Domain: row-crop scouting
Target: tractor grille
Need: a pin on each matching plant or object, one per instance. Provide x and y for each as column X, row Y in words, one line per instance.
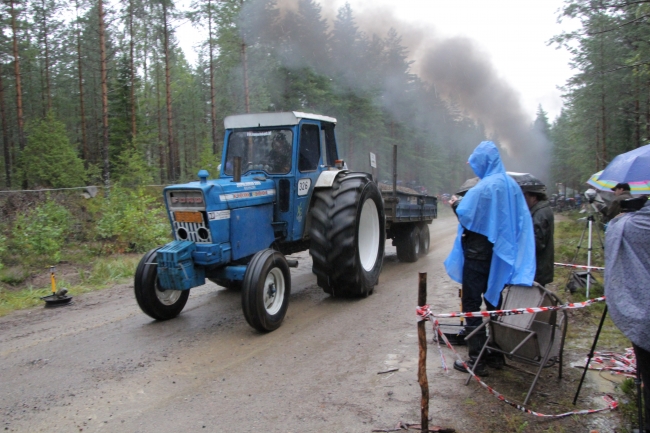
column 195, row 232
column 187, row 211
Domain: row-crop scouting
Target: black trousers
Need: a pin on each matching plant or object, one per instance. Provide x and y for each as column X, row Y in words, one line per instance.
column 475, row 282
column 643, row 364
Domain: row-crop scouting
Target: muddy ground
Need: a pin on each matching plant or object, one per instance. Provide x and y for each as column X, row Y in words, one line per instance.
column 102, row 365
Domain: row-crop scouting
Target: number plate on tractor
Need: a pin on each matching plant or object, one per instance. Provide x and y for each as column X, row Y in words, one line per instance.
column 188, row 217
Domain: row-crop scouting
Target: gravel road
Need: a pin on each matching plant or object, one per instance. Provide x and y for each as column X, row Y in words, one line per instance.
column 102, row 365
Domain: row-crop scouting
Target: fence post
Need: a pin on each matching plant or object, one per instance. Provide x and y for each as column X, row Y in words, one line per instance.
column 422, row 361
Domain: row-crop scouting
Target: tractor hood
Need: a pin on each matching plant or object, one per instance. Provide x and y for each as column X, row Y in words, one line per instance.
column 222, row 194
column 248, row 192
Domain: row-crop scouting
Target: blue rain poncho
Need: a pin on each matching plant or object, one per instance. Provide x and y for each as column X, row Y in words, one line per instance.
column 496, row 208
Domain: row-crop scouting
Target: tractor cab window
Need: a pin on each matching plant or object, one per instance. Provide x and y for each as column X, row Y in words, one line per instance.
column 267, row 150
column 330, row 144
column 309, row 147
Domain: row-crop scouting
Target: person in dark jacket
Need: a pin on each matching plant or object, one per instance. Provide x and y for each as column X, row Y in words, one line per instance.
column 280, row 155
column 622, row 192
column 544, row 225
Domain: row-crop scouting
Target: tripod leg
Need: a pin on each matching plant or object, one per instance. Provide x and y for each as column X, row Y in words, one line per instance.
column 575, row 256
column 582, row 236
column 590, row 222
column 591, row 354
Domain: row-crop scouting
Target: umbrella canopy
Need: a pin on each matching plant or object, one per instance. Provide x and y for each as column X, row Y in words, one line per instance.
column 629, row 167
column 467, row 185
column 526, row 181
column 601, row 184
column 632, row 167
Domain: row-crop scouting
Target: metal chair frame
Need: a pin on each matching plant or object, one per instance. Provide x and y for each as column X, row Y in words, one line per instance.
column 528, row 338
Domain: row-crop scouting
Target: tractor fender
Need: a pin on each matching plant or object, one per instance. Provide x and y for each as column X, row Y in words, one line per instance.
column 326, row 178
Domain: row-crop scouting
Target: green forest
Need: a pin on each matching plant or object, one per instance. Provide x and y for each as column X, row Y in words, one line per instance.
column 100, row 93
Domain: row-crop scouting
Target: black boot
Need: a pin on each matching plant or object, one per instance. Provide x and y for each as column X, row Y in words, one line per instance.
column 474, row 346
column 494, row 360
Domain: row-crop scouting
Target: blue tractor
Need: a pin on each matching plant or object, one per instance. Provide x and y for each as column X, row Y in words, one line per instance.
column 282, row 189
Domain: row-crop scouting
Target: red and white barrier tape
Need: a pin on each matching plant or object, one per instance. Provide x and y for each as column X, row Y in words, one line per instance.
column 424, row 312
column 614, row 362
column 611, row 403
column 568, row 265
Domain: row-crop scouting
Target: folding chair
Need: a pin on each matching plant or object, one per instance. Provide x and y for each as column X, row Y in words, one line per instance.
column 536, row 339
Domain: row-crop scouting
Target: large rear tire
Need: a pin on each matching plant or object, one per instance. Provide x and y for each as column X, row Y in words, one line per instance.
column 347, row 235
column 154, row 301
column 407, row 244
column 265, row 290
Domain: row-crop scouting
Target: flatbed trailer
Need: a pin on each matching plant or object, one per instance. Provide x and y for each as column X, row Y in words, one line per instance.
column 408, row 215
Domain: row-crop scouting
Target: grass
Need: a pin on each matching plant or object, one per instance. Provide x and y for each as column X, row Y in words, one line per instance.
column 628, row 404
column 105, row 271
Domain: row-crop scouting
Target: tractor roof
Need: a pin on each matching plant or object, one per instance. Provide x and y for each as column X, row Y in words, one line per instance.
column 259, row 120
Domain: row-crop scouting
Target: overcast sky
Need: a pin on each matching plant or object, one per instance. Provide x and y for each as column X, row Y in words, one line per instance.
column 514, row 33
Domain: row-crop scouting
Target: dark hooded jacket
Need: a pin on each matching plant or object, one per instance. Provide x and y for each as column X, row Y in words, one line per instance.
column 614, row 208
column 543, row 224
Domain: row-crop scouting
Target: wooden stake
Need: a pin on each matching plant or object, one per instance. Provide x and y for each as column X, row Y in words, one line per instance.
column 422, row 361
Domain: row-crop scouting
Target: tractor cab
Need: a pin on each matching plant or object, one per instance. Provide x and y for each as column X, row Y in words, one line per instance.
column 291, row 148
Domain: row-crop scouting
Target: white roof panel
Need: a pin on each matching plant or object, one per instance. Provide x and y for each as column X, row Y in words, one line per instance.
column 258, row 120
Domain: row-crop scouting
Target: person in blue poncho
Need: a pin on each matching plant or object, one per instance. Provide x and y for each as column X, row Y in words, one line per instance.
column 495, row 245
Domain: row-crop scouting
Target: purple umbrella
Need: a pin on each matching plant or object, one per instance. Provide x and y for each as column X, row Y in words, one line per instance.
column 630, row 167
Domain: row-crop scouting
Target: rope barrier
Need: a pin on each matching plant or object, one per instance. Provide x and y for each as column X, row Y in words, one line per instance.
column 14, row 191
column 424, row 312
column 611, row 403
column 568, row 265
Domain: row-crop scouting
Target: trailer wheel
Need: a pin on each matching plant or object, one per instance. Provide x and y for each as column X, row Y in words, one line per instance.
column 347, row 235
column 425, row 239
column 407, row 244
column 265, row 290
column 153, row 300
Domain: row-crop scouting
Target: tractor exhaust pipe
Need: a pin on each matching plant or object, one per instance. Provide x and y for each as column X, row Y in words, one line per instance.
column 236, row 170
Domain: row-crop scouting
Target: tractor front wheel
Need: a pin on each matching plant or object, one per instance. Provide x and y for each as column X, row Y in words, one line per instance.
column 153, row 300
column 265, row 290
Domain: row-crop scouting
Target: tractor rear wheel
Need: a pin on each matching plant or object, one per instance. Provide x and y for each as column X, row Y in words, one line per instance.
column 265, row 290
column 347, row 235
column 153, row 300
column 425, row 239
column 407, row 244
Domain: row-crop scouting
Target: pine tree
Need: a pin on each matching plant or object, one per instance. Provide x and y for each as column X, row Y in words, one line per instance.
column 49, row 160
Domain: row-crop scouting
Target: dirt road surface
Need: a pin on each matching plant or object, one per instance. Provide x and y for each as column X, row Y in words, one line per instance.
column 101, row 365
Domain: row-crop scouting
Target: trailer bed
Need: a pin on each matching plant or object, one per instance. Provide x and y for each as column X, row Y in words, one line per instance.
column 401, row 207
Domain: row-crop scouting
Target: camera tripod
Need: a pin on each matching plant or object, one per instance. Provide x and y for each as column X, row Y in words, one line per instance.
column 589, row 224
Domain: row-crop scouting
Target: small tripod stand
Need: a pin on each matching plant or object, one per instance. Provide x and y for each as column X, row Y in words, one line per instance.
column 589, row 223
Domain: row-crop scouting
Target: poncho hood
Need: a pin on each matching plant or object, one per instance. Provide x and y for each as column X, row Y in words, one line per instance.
column 485, row 160
column 496, row 208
